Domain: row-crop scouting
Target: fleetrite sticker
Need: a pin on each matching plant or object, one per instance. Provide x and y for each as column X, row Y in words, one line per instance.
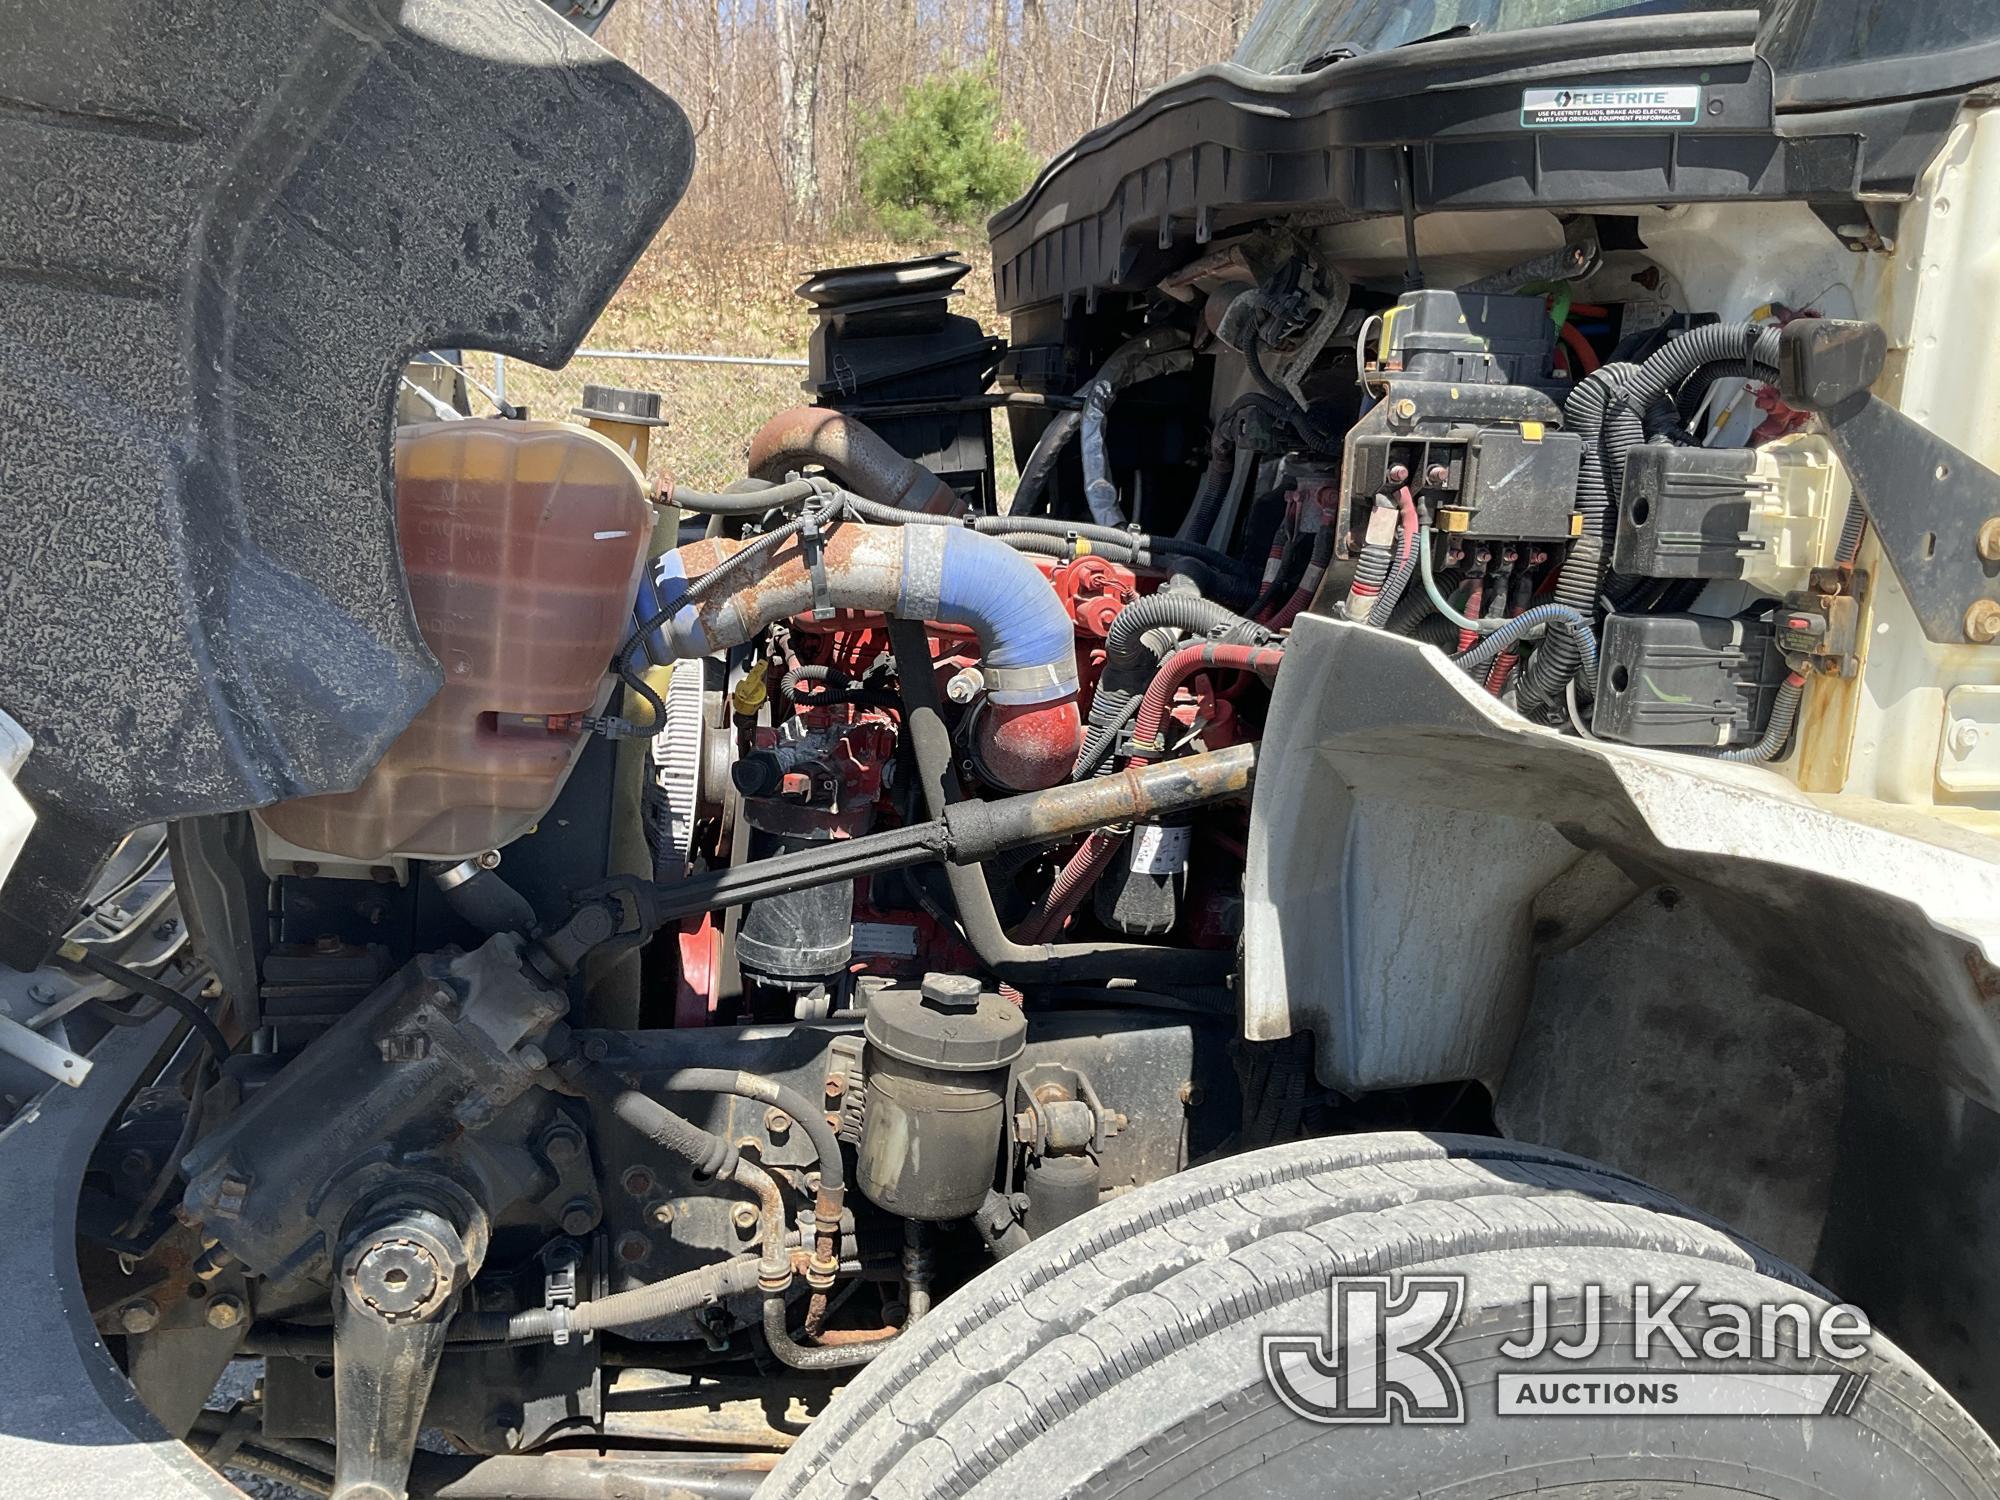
column 1656, row 104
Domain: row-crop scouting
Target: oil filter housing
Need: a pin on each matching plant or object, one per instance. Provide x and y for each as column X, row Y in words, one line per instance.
column 937, row 1064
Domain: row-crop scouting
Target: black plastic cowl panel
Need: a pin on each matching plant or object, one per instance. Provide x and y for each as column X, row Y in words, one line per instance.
column 222, row 228
column 1225, row 146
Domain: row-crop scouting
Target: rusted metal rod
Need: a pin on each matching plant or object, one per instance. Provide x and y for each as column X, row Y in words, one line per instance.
column 973, row 831
column 980, row 830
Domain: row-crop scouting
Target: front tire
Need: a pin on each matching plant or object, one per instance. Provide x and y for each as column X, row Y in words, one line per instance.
column 1121, row 1356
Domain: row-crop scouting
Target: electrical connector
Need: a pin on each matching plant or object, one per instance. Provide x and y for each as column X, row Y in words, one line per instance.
column 751, row 692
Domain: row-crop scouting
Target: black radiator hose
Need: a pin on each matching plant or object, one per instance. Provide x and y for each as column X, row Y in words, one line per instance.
column 484, row 899
column 1212, row 490
column 1041, row 461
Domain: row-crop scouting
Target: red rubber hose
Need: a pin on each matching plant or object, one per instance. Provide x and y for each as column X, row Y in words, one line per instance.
column 1080, row 875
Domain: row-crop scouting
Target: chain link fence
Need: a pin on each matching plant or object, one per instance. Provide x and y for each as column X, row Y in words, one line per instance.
column 712, row 403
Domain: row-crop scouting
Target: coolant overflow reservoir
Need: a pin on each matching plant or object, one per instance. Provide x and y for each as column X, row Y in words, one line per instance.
column 522, row 543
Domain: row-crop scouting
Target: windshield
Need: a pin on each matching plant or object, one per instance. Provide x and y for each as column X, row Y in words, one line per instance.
column 1798, row 35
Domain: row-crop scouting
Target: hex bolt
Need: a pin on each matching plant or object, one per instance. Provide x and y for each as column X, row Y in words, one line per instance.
column 531, row 1057
column 1989, row 539
column 835, row 1087
column 637, row 1181
column 579, row 1217
column 744, row 1217
column 1982, row 622
column 224, row 1311
column 777, row 1123
column 561, row 1144
column 596, row 1049
column 140, row 1315
column 1406, row 409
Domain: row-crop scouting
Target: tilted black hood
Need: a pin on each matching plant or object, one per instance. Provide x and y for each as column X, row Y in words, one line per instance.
column 222, row 230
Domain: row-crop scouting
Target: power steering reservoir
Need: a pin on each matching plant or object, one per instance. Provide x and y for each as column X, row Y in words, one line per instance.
column 937, row 1064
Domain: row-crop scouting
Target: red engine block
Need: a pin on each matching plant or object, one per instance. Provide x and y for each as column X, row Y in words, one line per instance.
column 850, row 788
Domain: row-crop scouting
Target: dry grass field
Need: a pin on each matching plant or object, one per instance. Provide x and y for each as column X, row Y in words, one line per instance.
column 686, row 297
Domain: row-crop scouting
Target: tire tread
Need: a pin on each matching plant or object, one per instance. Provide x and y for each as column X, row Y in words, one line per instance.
column 1043, row 1333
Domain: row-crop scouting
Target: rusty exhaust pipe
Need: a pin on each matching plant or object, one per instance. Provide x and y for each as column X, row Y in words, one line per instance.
column 853, row 454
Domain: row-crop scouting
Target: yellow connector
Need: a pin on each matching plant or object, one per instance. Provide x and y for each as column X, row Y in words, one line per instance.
column 750, row 692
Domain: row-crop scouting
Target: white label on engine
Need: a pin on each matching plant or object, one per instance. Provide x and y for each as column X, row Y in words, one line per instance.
column 891, row 939
column 1654, row 104
column 1160, row 850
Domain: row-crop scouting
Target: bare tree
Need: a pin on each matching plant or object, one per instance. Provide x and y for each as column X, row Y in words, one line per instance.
column 779, row 90
column 801, row 54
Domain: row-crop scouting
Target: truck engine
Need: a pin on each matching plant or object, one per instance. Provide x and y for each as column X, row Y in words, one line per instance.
column 792, row 902
column 880, row 912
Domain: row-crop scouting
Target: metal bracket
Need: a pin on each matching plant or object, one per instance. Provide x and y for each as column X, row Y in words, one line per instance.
column 1822, row 622
column 1932, row 505
column 41, row 1054
column 1050, row 1103
column 1861, row 227
column 813, row 545
column 1927, row 501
